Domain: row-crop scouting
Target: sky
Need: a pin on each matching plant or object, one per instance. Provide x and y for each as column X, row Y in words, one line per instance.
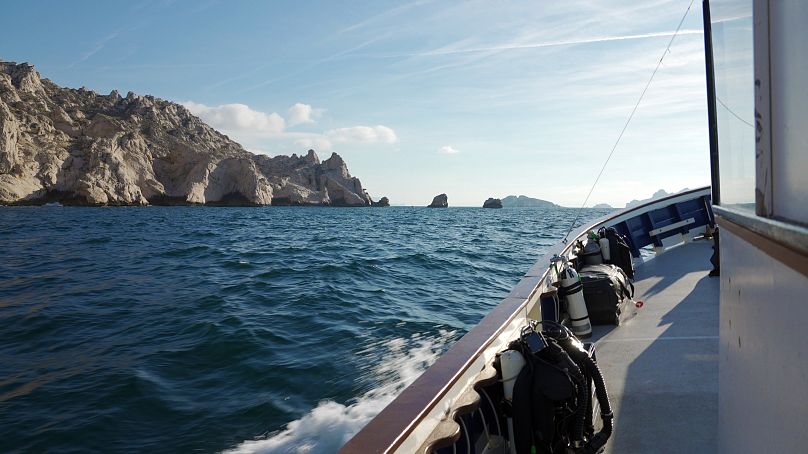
column 474, row 99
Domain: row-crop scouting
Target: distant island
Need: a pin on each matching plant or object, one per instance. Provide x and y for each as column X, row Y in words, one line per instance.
column 604, row 206
column 657, row 195
column 77, row 147
column 522, row 201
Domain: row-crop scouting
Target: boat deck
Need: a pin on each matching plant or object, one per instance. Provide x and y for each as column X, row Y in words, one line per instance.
column 661, row 365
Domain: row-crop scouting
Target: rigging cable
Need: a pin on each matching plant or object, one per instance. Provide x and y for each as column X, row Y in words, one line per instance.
column 633, row 111
column 733, row 112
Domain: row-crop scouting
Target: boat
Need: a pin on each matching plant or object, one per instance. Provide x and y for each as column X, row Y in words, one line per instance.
column 699, row 363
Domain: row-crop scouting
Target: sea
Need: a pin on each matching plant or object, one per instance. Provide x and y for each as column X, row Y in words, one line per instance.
column 268, row 330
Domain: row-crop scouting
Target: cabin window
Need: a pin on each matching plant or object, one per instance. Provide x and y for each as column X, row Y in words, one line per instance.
column 761, row 113
column 733, row 39
column 788, row 76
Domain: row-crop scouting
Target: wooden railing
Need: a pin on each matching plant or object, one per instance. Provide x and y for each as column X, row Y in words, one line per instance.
column 412, row 422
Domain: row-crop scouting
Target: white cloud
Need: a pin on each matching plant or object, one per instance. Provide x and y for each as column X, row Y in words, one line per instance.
column 354, row 134
column 259, row 131
column 238, row 118
column 363, row 134
column 303, row 113
column 446, row 149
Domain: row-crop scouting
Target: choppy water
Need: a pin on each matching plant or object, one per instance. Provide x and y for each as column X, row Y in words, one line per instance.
column 190, row 329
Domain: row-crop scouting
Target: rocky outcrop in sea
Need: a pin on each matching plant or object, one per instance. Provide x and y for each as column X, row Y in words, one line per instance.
column 440, row 201
column 492, row 203
column 383, row 202
column 77, row 147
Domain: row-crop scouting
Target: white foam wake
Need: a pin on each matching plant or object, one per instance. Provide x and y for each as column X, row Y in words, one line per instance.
column 330, row 425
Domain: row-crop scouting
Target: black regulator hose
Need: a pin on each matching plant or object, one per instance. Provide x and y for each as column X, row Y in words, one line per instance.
column 599, row 439
column 582, row 398
column 590, row 368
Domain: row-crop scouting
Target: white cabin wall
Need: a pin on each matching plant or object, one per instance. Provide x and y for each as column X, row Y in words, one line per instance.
column 788, row 72
column 763, row 352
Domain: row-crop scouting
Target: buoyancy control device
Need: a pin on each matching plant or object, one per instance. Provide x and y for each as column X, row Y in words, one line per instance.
column 551, row 404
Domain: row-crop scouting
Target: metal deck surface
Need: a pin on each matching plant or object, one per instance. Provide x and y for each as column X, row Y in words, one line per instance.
column 661, row 364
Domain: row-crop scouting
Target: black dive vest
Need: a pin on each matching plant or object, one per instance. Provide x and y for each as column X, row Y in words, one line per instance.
column 545, row 401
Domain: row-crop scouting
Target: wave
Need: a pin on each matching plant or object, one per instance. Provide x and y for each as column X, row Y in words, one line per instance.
column 330, row 425
column 219, row 318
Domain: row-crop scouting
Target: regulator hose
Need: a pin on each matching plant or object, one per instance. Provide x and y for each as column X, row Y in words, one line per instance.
column 599, row 439
column 590, row 368
column 582, row 402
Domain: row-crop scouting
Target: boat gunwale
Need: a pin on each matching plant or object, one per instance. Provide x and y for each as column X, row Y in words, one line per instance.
column 395, row 423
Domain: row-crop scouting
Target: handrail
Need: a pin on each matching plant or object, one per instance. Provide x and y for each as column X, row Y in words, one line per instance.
column 391, row 427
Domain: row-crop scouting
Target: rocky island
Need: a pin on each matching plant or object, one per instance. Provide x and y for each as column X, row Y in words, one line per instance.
column 440, row 201
column 77, row 147
column 383, row 202
column 657, row 195
column 492, row 203
column 522, row 201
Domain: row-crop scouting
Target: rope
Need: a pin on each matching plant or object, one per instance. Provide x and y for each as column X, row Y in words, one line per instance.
column 633, row 111
column 732, row 112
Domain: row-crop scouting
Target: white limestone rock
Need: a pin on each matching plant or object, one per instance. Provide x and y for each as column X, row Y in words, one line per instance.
column 79, row 147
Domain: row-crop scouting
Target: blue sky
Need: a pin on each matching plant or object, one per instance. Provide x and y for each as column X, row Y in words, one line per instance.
column 474, row 99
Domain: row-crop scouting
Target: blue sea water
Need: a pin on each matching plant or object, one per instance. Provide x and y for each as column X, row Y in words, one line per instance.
column 277, row 329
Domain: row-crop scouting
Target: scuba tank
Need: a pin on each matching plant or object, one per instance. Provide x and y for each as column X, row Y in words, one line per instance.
column 604, row 249
column 572, row 289
column 511, row 363
column 592, row 253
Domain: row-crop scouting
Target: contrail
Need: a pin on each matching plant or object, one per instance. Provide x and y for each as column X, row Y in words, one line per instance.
column 393, row 12
column 517, row 46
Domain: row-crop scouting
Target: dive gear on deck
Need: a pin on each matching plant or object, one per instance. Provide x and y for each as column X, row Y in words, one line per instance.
column 552, row 407
column 607, row 290
column 571, row 289
column 619, row 250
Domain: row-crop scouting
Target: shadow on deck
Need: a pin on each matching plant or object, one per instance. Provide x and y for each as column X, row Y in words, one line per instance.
column 661, row 365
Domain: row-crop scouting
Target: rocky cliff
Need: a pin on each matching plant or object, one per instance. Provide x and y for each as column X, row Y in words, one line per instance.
column 82, row 148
